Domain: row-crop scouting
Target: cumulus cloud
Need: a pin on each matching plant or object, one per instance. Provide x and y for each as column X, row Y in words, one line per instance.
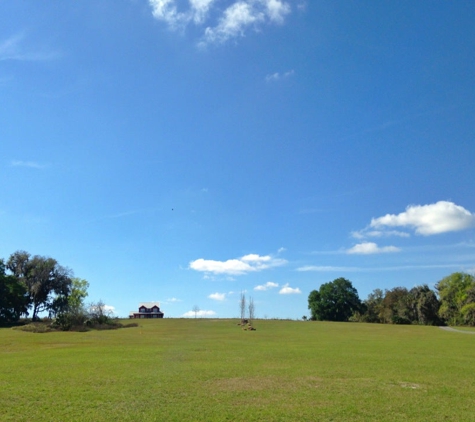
column 218, row 296
column 426, row 220
column 368, row 248
column 231, row 22
column 246, row 264
column 441, row 217
column 200, row 314
column 287, row 290
column 263, row 287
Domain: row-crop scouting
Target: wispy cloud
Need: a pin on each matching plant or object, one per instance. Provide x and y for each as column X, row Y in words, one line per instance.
column 369, row 248
column 29, row 164
column 426, row 220
column 378, row 233
column 287, row 290
column 246, row 264
column 326, row 268
column 14, row 48
column 220, row 25
column 274, row 77
column 331, row 269
column 263, row 287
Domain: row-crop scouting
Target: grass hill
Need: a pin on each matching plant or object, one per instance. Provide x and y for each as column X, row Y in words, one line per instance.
column 212, row 370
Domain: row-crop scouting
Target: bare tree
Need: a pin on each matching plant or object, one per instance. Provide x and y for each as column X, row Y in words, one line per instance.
column 251, row 309
column 99, row 312
column 196, row 309
column 242, row 307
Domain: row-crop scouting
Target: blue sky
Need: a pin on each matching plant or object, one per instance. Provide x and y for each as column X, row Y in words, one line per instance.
column 183, row 151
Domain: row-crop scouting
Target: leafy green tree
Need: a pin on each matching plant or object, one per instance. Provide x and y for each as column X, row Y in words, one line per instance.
column 425, row 306
column 75, row 314
column 77, row 295
column 13, row 297
column 373, row 307
column 456, row 293
column 48, row 284
column 335, row 301
column 397, row 306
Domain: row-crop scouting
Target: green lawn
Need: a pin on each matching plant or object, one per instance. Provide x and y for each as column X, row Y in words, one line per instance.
column 211, row 370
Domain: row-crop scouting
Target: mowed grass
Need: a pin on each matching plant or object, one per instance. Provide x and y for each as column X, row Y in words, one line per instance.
column 212, row 370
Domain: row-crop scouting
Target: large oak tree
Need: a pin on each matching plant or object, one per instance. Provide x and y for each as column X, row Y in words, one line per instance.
column 48, row 284
column 334, row 301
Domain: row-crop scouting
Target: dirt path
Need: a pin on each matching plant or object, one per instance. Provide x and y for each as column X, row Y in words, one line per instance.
column 457, row 331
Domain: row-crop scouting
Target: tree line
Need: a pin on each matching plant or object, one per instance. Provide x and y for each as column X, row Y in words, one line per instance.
column 452, row 303
column 30, row 285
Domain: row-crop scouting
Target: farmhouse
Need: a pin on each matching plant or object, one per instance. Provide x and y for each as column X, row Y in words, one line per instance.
column 147, row 310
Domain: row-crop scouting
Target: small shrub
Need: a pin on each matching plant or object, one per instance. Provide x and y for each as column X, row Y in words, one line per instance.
column 34, row 327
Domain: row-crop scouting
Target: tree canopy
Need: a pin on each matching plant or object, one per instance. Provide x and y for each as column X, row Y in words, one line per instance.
column 457, row 298
column 334, row 301
column 13, row 297
column 47, row 283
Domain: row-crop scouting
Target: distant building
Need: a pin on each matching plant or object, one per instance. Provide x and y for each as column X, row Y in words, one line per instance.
column 147, row 310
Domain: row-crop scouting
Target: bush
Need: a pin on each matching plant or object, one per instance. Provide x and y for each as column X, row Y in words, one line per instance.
column 35, row 327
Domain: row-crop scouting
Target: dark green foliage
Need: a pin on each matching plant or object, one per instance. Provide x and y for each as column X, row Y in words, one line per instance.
column 13, row 297
column 425, row 306
column 372, row 307
column 396, row 306
column 48, row 284
column 334, row 301
column 401, row 306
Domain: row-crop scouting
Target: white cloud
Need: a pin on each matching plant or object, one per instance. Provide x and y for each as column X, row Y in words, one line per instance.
column 368, row 248
column 269, row 285
column 276, row 10
column 167, row 11
column 173, row 300
column 287, row 290
column 218, row 296
column 199, row 314
column 274, row 77
column 231, row 22
column 441, row 217
column 200, row 9
column 30, row 164
column 239, row 266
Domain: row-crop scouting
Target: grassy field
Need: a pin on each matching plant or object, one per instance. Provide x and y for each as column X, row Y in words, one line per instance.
column 212, row 370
